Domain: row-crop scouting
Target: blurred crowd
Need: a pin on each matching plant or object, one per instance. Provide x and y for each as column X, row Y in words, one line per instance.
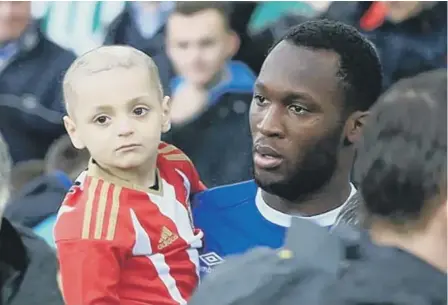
column 208, row 56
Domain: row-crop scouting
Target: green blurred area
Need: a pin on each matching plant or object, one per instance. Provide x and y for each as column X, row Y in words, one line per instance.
column 82, row 25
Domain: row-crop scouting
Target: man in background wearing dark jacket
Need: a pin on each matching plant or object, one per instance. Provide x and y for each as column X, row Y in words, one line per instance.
column 411, row 36
column 401, row 172
column 31, row 68
column 28, row 266
column 212, row 94
column 142, row 25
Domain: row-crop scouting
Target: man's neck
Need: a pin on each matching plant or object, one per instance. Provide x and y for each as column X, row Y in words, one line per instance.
column 328, row 198
column 428, row 244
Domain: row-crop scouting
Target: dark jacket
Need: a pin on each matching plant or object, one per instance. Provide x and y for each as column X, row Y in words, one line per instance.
column 28, row 268
column 317, row 268
column 387, row 275
column 219, row 141
column 38, row 200
column 415, row 45
column 124, row 31
column 31, row 104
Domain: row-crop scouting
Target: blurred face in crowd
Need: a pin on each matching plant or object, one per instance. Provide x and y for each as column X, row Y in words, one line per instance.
column 398, row 11
column 199, row 45
column 14, row 18
column 295, row 120
column 118, row 115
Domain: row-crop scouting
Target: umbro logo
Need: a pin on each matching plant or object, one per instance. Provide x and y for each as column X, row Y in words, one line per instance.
column 167, row 238
column 211, row 259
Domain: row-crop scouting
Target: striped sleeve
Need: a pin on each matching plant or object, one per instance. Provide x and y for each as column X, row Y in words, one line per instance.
column 101, row 211
column 180, row 160
column 90, row 213
column 89, row 254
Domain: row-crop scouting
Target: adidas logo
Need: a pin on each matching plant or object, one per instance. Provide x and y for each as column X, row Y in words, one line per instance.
column 167, row 238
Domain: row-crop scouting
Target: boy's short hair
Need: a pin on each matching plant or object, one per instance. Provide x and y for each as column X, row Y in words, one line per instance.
column 63, row 156
column 401, row 157
column 106, row 58
column 188, row 8
column 24, row 172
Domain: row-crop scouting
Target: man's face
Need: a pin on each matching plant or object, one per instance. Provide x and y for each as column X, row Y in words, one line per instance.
column 118, row 116
column 14, row 18
column 198, row 45
column 295, row 119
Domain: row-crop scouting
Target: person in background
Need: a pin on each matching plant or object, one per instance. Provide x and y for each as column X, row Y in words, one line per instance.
column 410, row 36
column 142, row 25
column 211, row 95
column 310, row 102
column 401, row 257
column 65, row 161
column 28, row 266
column 401, row 170
column 40, row 197
column 31, row 68
column 24, row 172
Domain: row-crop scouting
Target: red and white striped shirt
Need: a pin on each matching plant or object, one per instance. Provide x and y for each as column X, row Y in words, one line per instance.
column 119, row 244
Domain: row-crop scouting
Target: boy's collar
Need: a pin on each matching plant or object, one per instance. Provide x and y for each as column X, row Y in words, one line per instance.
column 96, row 171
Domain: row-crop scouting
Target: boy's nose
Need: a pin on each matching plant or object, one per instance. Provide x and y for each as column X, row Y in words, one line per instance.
column 125, row 129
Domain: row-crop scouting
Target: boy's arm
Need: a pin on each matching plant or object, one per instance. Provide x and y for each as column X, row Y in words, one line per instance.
column 90, row 271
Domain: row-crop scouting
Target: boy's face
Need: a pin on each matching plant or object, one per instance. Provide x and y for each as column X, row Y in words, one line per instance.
column 118, row 116
column 199, row 45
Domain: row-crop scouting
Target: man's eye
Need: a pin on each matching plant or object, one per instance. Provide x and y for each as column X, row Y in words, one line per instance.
column 139, row 111
column 259, row 99
column 101, row 120
column 298, row 109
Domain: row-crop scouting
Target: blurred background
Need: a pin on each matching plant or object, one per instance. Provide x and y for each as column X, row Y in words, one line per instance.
column 208, row 56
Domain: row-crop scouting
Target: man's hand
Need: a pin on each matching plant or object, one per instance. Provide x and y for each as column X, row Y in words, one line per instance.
column 188, row 102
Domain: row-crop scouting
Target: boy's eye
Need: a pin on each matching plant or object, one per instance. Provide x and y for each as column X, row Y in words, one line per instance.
column 139, row 111
column 101, row 120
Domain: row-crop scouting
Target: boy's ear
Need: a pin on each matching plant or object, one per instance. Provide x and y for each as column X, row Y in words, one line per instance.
column 166, row 110
column 70, row 126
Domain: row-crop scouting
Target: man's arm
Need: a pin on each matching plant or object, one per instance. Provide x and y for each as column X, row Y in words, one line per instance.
column 90, row 271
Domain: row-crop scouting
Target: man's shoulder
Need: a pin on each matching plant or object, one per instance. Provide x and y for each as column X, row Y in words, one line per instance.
column 53, row 50
column 225, row 196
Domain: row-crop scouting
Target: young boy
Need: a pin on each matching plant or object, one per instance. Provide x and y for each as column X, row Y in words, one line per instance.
column 124, row 233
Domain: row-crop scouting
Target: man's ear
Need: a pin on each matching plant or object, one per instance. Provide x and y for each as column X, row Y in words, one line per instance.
column 234, row 43
column 166, row 111
column 354, row 126
column 70, row 126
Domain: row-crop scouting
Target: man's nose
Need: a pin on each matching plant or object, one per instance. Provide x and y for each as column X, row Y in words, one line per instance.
column 270, row 124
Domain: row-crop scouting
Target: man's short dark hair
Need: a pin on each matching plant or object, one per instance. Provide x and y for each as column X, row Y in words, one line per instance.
column 360, row 69
column 189, row 8
column 401, row 160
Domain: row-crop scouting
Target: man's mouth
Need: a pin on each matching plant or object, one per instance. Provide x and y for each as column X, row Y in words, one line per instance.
column 266, row 157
